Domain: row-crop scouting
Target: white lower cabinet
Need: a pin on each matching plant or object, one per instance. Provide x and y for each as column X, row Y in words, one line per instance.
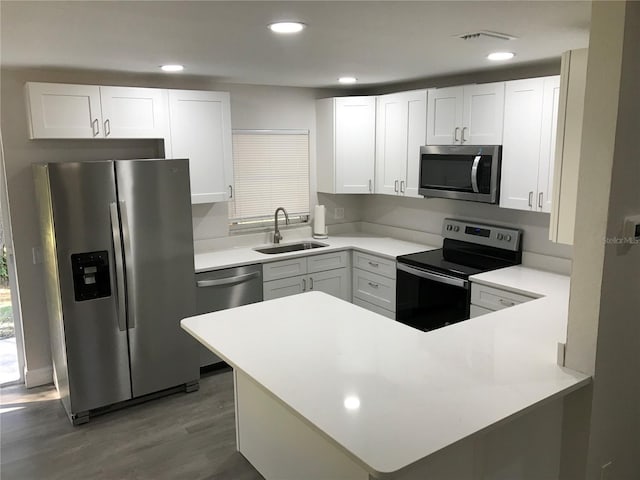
column 374, row 283
column 328, row 273
column 485, row 299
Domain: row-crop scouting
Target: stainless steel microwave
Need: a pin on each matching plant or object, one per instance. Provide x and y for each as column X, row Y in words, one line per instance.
column 461, row 172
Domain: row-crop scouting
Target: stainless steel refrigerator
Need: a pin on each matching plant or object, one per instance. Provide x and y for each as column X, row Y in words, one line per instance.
column 119, row 274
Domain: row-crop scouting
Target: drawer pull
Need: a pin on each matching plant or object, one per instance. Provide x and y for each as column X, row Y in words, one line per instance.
column 373, row 285
column 374, row 264
column 506, row 303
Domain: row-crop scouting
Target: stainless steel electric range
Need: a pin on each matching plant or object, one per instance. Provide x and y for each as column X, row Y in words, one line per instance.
column 433, row 288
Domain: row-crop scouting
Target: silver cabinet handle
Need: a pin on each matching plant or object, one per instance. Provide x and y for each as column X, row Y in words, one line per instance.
column 370, row 186
column 401, row 186
column 540, row 199
column 373, row 285
column 474, row 174
column 230, row 191
column 395, row 186
column 531, row 199
column 455, row 134
column 228, row 280
column 121, row 291
column 462, row 139
column 304, row 285
column 506, row 303
column 310, row 283
column 374, row 264
column 107, row 127
column 95, row 127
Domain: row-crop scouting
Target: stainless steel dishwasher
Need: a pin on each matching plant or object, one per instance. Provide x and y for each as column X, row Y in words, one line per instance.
column 222, row 289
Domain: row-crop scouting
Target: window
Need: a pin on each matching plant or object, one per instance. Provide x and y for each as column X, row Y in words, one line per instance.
column 270, row 170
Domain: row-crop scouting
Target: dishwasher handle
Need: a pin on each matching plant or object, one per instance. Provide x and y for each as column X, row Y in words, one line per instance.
column 228, row 280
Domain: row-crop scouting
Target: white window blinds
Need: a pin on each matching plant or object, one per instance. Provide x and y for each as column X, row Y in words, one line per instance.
column 270, row 170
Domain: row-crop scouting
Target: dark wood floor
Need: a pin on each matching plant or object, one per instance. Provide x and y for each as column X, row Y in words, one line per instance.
column 182, row 436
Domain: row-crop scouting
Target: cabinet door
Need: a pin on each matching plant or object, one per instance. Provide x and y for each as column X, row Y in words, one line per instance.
column 355, row 144
column 63, row 111
column 129, row 112
column 521, row 143
column 550, row 102
column 483, row 114
column 391, row 143
column 444, row 115
column 200, row 126
column 284, row 287
column 334, row 282
column 327, row 261
column 416, row 137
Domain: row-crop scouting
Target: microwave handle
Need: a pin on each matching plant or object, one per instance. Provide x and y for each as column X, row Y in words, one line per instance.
column 474, row 174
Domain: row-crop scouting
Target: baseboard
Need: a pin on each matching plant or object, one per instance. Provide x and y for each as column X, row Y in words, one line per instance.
column 38, row 377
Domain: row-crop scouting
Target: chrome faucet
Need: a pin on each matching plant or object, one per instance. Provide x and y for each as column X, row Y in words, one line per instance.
column 277, row 236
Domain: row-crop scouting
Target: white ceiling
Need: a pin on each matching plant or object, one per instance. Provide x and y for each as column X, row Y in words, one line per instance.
column 378, row 42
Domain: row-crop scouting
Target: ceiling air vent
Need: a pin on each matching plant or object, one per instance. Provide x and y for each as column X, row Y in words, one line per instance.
column 486, row 35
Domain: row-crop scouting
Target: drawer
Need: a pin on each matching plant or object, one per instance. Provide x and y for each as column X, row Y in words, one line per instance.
column 327, row 261
column 284, row 269
column 284, row 287
column 495, row 298
column 373, row 264
column 373, row 288
column 374, row 308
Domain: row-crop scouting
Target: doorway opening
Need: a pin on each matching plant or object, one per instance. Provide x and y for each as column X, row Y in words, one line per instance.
column 9, row 365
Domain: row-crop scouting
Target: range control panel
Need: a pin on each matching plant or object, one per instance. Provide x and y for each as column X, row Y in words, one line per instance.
column 482, row 234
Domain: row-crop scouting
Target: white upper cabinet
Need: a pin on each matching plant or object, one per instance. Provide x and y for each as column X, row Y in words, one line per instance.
column 91, row 111
column 466, row 115
column 346, row 144
column 445, row 115
column 401, row 131
column 131, row 112
column 200, row 130
column 63, row 111
column 530, row 115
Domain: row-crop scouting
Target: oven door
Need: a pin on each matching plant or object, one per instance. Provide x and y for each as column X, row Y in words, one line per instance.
column 460, row 172
column 428, row 300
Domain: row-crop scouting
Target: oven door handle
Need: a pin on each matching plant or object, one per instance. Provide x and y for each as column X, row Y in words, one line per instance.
column 474, row 174
column 436, row 277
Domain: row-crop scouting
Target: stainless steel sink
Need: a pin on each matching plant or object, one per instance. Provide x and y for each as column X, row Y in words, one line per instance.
column 290, row 247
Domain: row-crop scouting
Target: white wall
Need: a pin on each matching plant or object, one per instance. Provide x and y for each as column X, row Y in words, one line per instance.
column 604, row 314
column 252, row 107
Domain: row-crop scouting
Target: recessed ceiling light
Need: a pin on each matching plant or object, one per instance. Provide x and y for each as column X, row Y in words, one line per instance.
column 347, row 80
column 172, row 68
column 497, row 56
column 286, row 27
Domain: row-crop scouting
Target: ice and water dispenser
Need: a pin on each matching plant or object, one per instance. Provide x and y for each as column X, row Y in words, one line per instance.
column 91, row 275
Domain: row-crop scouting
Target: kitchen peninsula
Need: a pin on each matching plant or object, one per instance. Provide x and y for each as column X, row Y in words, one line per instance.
column 325, row 389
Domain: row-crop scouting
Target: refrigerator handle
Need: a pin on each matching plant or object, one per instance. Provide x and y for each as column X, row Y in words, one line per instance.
column 126, row 243
column 120, row 284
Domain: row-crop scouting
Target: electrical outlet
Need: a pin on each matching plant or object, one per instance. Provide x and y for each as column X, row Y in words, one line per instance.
column 338, row 213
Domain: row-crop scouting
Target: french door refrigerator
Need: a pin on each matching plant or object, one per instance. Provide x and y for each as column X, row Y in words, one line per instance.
column 119, row 276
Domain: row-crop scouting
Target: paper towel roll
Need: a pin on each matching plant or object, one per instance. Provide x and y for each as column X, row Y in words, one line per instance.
column 319, row 227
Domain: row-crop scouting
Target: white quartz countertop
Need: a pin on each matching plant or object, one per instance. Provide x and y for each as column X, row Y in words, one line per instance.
column 411, row 393
column 382, row 246
column 526, row 281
